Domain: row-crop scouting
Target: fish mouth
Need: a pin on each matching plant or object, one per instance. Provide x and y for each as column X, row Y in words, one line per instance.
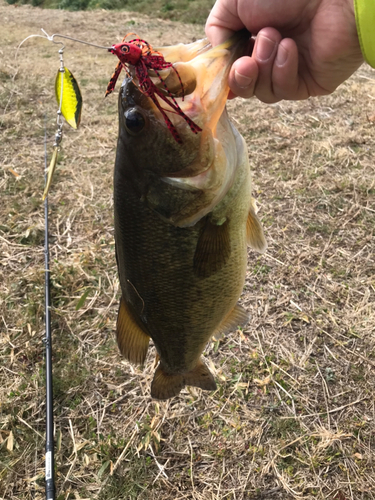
column 199, row 79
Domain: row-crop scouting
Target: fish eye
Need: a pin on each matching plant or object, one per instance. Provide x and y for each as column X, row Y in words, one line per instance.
column 134, row 121
column 124, row 48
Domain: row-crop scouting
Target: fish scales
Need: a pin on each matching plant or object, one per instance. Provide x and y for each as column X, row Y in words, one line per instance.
column 174, row 300
column 181, row 257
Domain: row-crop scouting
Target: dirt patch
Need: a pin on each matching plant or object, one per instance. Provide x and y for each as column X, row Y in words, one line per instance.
column 293, row 416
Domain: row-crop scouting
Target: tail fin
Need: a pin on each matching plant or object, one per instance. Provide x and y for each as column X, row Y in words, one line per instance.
column 165, row 386
column 200, row 377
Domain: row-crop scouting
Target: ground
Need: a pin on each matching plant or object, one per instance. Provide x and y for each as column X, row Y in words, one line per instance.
column 294, row 413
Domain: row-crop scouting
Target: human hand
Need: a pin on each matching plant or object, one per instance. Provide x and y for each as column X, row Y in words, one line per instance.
column 311, row 48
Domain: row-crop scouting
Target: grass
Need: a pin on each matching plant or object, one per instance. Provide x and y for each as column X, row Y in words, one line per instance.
column 187, row 11
column 293, row 416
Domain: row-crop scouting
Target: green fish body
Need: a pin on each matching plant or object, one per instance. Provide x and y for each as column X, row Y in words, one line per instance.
column 183, row 219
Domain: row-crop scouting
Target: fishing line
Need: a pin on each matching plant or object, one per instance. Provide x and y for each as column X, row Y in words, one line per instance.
column 49, row 459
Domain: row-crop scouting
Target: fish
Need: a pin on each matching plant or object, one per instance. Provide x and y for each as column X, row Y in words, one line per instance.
column 183, row 218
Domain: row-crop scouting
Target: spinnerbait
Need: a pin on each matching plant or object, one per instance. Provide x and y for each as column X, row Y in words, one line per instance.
column 141, row 55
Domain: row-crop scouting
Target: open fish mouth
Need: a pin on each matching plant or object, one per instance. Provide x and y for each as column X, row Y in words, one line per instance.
column 198, row 78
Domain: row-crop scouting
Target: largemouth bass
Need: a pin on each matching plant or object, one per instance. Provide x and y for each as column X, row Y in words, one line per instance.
column 183, row 218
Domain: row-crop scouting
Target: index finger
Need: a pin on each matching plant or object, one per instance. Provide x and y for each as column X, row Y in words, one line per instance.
column 222, row 22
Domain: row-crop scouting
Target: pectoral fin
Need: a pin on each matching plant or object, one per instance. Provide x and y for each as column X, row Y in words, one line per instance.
column 165, row 386
column 213, row 249
column 237, row 317
column 254, row 232
column 131, row 339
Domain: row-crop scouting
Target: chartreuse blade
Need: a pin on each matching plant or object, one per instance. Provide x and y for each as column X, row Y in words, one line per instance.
column 71, row 105
column 51, row 170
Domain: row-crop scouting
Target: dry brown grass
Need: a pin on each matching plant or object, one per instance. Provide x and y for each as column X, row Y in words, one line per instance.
column 294, row 415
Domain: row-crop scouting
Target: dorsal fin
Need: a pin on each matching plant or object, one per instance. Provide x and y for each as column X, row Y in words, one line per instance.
column 213, row 249
column 254, row 232
column 235, row 318
column 131, row 339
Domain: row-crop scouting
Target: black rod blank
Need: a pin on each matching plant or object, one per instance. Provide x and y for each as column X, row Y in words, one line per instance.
column 50, row 459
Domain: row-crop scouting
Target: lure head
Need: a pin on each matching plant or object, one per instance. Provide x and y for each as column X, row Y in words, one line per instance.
column 128, row 53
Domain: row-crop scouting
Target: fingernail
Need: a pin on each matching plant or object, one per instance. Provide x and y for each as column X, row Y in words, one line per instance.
column 265, row 48
column 281, row 56
column 242, row 81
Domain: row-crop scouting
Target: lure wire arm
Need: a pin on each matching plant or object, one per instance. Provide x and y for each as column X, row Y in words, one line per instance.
column 59, row 132
column 60, row 123
column 51, row 39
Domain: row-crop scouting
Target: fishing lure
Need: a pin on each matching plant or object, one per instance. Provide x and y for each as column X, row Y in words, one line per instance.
column 69, row 99
column 143, row 57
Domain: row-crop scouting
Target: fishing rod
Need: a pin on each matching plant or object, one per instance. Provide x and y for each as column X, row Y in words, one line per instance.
column 49, row 460
column 48, row 172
